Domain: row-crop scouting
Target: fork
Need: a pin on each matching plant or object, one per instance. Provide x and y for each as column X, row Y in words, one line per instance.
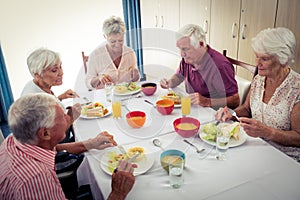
column 197, row 149
column 218, row 122
column 234, row 115
column 123, row 151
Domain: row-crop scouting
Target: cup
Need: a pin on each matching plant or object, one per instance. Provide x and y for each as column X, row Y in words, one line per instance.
column 222, row 143
column 185, row 106
column 116, row 109
column 176, row 172
column 108, row 89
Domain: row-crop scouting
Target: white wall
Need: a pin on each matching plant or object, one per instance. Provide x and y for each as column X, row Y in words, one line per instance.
column 65, row 26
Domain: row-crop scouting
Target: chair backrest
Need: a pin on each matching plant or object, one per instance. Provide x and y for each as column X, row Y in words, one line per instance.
column 249, row 67
column 243, row 84
column 85, row 60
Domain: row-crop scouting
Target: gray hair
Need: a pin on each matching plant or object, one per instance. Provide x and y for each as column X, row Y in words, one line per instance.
column 113, row 25
column 195, row 32
column 41, row 59
column 279, row 42
column 30, row 113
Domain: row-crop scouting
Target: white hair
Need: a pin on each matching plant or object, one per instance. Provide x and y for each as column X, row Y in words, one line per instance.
column 113, row 24
column 279, row 42
column 41, row 59
column 30, row 113
column 194, row 32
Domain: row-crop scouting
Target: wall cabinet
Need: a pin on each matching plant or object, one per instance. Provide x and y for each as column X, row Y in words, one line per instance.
column 196, row 12
column 235, row 22
column 162, row 14
column 160, row 21
column 230, row 25
column 288, row 16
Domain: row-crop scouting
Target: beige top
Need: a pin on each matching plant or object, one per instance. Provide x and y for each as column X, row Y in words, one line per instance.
column 277, row 112
column 100, row 63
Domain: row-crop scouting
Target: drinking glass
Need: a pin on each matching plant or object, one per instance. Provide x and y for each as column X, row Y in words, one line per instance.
column 116, row 106
column 108, row 90
column 185, row 106
column 176, row 172
column 116, row 109
column 222, row 143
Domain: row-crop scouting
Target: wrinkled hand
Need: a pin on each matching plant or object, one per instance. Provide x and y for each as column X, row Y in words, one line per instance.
column 223, row 114
column 164, row 83
column 74, row 111
column 105, row 78
column 254, row 128
column 109, row 136
column 198, row 99
column 68, row 94
column 123, row 180
column 101, row 141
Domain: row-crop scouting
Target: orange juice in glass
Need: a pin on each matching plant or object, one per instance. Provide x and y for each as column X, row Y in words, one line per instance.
column 185, row 106
column 116, row 109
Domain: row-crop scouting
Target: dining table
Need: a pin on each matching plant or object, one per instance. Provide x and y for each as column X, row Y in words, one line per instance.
column 253, row 168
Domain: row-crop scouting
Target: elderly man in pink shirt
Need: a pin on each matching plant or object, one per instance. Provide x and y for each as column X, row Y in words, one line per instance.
column 208, row 75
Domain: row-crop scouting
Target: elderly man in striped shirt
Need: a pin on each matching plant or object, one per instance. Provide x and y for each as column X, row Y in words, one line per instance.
column 27, row 156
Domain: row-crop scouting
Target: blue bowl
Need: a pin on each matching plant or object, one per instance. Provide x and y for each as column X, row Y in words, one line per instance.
column 167, row 154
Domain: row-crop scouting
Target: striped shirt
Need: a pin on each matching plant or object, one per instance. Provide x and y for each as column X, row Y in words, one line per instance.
column 27, row 172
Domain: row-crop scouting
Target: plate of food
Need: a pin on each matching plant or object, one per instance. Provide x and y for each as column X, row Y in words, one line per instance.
column 208, row 133
column 110, row 160
column 124, row 89
column 95, row 110
column 174, row 97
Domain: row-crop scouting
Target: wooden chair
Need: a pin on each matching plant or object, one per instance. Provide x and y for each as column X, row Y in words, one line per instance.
column 85, row 60
column 243, row 84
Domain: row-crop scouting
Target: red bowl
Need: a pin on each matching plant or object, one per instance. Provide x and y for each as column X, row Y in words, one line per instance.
column 136, row 119
column 186, row 126
column 149, row 88
column 165, row 106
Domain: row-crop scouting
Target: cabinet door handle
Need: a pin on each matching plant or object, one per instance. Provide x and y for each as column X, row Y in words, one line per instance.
column 156, row 21
column 205, row 25
column 243, row 31
column 233, row 30
column 162, row 21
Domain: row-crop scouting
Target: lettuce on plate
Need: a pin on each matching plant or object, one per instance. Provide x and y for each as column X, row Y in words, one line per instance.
column 211, row 132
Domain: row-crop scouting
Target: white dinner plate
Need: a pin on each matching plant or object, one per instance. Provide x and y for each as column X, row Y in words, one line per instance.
column 107, row 106
column 177, row 93
column 232, row 141
column 128, row 92
column 142, row 166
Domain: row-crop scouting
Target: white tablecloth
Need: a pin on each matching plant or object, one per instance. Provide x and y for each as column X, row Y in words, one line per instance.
column 254, row 170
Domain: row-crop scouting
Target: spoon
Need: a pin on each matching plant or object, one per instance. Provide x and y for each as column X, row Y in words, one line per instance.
column 85, row 98
column 126, row 108
column 157, row 143
column 150, row 103
column 197, row 150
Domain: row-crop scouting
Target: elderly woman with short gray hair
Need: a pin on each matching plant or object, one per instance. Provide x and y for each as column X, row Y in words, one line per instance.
column 45, row 67
column 112, row 61
column 272, row 108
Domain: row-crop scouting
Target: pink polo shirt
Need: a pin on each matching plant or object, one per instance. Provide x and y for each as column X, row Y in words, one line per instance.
column 213, row 79
column 27, row 172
